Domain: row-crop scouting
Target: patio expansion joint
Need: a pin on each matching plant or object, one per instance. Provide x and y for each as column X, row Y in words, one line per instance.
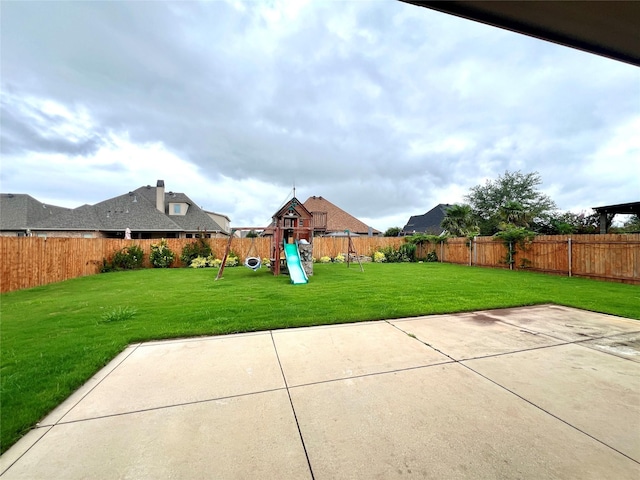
column 293, row 409
column 164, row 407
column 372, row 374
column 50, row 426
column 556, row 337
column 60, row 420
column 388, row 322
column 549, row 413
column 565, row 342
column 47, row 427
column 579, row 342
column 457, row 360
column 524, row 350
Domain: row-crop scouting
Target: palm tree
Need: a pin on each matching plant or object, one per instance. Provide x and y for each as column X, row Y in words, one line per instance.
column 459, row 221
column 514, row 213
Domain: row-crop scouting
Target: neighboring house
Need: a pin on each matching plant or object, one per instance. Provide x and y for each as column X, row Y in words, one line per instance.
column 149, row 212
column 330, row 220
column 222, row 220
column 428, row 223
column 19, row 212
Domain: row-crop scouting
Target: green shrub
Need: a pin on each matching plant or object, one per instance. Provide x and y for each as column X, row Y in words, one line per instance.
column 339, row 258
column 199, row 248
column 127, row 258
column 107, row 266
column 408, row 252
column 202, row 262
column 161, row 255
column 432, row 256
column 403, row 254
column 198, row 262
column 379, row 257
column 325, row 259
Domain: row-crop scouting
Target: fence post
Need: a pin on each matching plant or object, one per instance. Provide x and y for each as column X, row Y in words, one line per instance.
column 441, row 252
column 470, row 250
column 510, row 256
column 475, row 250
column 569, row 252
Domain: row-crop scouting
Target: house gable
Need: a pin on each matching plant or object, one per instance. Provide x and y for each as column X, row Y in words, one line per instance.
column 192, row 218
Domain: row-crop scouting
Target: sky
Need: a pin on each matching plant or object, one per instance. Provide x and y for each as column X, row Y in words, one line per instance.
column 383, row 108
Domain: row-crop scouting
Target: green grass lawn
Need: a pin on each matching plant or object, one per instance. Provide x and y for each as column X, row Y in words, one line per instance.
column 53, row 338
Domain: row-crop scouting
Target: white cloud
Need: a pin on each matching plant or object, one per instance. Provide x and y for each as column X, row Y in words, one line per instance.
column 384, row 108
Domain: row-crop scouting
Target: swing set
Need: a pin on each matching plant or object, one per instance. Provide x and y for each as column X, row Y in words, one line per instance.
column 252, row 262
column 351, row 251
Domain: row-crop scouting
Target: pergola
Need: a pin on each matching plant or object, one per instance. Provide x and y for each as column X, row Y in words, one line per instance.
column 632, row 208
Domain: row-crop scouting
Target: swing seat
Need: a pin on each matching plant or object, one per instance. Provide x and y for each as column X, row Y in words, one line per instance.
column 253, row 263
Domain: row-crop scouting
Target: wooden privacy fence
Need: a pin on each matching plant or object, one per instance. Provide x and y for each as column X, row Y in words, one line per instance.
column 31, row 261
column 27, row 262
column 614, row 257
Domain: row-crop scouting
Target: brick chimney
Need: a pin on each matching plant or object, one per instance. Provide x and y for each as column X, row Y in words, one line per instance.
column 160, row 195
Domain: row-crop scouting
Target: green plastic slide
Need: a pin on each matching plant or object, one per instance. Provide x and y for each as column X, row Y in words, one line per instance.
column 296, row 272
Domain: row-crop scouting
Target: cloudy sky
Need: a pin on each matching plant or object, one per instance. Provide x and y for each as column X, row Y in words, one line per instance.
column 383, row 108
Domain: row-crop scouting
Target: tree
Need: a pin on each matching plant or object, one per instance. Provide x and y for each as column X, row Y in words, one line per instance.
column 513, row 196
column 459, row 221
column 632, row 225
column 565, row 223
column 513, row 213
column 392, row 232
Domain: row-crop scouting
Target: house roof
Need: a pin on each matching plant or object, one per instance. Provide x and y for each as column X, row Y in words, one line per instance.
column 428, row 222
column 81, row 218
column 196, row 219
column 19, row 211
column 209, row 212
column 135, row 210
column 337, row 219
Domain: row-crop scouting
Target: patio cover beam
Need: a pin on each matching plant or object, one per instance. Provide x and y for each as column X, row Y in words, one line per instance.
column 607, row 28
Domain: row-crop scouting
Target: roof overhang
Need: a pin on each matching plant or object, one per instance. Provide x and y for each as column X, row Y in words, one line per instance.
column 607, row 28
column 632, row 208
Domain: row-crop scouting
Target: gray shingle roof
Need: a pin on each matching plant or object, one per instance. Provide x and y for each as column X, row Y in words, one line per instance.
column 428, row 222
column 196, row 219
column 135, row 210
column 81, row 218
column 20, row 211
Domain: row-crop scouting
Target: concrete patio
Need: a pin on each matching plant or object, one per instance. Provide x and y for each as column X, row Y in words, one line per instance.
column 537, row 392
